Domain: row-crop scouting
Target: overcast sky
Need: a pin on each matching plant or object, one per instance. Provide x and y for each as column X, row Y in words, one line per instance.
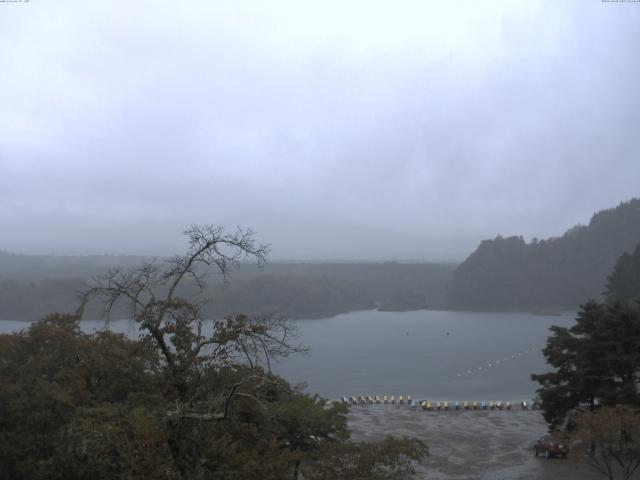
column 337, row 129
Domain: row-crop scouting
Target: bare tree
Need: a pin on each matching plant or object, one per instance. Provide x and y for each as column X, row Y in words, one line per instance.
column 608, row 439
column 175, row 325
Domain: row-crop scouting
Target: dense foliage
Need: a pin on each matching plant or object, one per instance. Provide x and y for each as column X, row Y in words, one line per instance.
column 94, row 406
column 623, row 284
column 608, row 439
column 60, row 388
column 596, row 362
column 509, row 273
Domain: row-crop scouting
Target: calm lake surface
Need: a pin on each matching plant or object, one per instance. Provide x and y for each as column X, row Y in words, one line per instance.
column 484, row 356
column 436, row 355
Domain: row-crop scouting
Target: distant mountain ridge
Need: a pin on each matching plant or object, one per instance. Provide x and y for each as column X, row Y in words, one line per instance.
column 33, row 286
column 509, row 273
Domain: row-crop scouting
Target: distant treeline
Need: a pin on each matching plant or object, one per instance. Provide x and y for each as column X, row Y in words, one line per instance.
column 509, row 273
column 32, row 286
column 504, row 273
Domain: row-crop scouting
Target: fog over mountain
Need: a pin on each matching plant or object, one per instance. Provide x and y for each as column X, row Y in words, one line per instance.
column 338, row 130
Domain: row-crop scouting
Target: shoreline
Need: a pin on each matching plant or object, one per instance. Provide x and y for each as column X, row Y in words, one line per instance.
column 538, row 312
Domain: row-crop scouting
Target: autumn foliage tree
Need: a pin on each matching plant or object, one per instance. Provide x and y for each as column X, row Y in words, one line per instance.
column 608, row 439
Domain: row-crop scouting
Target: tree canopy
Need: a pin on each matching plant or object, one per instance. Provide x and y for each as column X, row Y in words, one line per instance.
column 596, row 362
column 608, row 440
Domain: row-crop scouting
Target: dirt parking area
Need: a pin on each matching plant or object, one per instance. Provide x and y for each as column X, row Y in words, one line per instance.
column 470, row 445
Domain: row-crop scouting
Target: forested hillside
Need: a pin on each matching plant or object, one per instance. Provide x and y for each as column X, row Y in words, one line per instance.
column 509, row 273
column 32, row 286
column 624, row 282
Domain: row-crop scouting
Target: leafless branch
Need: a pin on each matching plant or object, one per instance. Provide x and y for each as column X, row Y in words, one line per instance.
column 175, row 325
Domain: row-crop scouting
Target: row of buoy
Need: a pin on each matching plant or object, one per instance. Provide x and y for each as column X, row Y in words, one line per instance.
column 369, row 400
column 495, row 363
column 436, row 406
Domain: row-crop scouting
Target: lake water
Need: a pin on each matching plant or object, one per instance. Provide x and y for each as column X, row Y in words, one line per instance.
column 436, row 355
column 484, row 356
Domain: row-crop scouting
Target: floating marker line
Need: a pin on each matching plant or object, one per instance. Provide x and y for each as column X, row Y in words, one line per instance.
column 496, row 363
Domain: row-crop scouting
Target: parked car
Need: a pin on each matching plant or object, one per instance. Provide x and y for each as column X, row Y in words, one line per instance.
column 549, row 446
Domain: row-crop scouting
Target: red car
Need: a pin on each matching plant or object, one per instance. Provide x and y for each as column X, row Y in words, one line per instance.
column 550, row 447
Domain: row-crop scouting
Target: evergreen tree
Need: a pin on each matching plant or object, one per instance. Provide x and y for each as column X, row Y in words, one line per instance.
column 596, row 362
column 624, row 282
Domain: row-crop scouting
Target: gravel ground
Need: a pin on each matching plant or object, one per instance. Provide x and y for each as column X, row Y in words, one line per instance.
column 470, row 445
